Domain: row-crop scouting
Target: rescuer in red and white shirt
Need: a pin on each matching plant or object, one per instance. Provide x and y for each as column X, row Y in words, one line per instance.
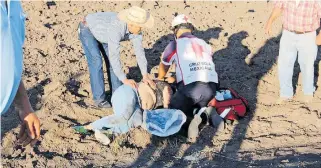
column 195, row 70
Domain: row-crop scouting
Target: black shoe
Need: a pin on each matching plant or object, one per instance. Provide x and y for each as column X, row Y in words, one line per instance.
column 205, row 119
column 204, row 116
column 103, row 104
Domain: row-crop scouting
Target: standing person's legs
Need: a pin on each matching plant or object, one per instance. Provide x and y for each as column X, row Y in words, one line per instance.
column 286, row 60
column 95, row 64
column 114, row 82
column 307, row 56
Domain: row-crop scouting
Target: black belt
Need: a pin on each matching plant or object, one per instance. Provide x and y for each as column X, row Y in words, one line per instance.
column 299, row 32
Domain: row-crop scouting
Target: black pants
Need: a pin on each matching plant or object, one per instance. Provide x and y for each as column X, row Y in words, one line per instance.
column 193, row 95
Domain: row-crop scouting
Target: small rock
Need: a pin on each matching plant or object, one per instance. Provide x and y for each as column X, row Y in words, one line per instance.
column 190, row 158
column 48, row 25
column 139, row 138
column 285, row 161
column 251, row 10
column 51, row 3
column 17, row 153
column 51, row 163
column 193, row 157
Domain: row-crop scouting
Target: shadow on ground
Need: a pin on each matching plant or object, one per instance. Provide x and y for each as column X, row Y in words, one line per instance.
column 244, row 79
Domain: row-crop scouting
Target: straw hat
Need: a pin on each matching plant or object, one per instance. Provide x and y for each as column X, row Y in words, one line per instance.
column 137, row 16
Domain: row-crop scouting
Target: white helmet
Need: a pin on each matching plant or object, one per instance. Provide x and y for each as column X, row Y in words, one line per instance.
column 180, row 19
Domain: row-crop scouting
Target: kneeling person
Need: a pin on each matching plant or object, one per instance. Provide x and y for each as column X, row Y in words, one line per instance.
column 195, row 70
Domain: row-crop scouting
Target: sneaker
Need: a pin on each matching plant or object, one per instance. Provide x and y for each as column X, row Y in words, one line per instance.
column 205, row 120
column 103, row 104
column 102, row 138
column 203, row 115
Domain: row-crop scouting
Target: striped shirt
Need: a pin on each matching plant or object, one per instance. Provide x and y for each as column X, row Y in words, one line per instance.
column 302, row 16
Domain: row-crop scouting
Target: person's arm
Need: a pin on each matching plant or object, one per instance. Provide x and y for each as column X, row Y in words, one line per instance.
column 167, row 59
column 318, row 39
column 22, row 101
column 30, row 128
column 114, row 58
column 162, row 70
column 167, row 95
column 137, row 41
column 277, row 11
column 140, row 53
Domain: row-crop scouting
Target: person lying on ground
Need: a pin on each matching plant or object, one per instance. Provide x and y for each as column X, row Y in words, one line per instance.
column 128, row 104
column 109, row 29
column 12, row 87
column 196, row 78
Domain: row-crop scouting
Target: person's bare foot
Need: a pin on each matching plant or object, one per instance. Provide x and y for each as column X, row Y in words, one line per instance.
column 283, row 100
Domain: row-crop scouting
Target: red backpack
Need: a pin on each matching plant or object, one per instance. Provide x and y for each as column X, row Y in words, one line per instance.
column 238, row 104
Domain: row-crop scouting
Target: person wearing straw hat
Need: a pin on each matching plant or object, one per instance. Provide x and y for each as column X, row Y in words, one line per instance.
column 107, row 30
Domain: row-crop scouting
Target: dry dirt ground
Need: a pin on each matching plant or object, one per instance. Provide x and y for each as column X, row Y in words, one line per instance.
column 57, row 79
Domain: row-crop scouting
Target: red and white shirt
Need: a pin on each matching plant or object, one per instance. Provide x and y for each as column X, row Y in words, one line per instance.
column 193, row 59
column 303, row 16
